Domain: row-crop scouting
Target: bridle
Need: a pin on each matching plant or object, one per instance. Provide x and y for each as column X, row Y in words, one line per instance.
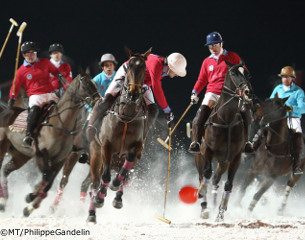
column 79, row 101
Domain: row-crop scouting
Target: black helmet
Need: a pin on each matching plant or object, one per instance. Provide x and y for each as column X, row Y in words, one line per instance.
column 26, row 46
column 56, row 47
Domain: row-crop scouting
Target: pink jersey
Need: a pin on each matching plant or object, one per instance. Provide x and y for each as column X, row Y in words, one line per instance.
column 65, row 70
column 213, row 72
column 35, row 78
column 153, row 76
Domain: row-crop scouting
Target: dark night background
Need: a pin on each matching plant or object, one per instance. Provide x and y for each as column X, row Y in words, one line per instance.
column 266, row 34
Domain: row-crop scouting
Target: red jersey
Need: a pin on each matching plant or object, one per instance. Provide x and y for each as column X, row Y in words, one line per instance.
column 34, row 78
column 213, row 72
column 65, row 70
column 153, row 76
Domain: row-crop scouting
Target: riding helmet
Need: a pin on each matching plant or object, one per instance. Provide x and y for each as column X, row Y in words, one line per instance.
column 287, row 71
column 177, row 63
column 56, row 47
column 26, row 46
column 108, row 57
column 213, row 37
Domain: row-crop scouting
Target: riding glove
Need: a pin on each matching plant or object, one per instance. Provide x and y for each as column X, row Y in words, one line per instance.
column 194, row 98
column 289, row 108
column 11, row 102
column 169, row 116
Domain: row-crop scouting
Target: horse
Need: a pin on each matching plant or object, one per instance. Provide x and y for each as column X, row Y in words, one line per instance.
column 52, row 143
column 224, row 137
column 80, row 145
column 122, row 135
column 274, row 157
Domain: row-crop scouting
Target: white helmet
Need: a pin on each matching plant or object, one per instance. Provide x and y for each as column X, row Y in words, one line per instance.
column 108, row 57
column 177, row 63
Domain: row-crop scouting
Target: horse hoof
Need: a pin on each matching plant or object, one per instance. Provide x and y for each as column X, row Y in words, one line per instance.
column 52, row 210
column 115, row 184
column 30, row 197
column 118, row 204
column 98, row 202
column 205, row 214
column 91, row 218
column 27, row 211
column 220, row 216
column 2, row 207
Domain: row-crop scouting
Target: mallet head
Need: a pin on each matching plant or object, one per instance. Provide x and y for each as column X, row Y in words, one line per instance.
column 13, row 22
column 21, row 29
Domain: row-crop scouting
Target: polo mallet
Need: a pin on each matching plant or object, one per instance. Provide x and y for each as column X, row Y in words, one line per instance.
column 164, row 143
column 14, row 23
column 19, row 34
column 163, row 219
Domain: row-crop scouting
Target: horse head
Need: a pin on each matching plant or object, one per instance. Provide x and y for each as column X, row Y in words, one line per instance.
column 135, row 73
column 273, row 109
column 239, row 81
column 83, row 88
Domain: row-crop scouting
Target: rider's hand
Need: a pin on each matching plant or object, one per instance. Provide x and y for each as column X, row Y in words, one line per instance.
column 289, row 108
column 194, row 98
column 169, row 117
column 11, row 102
column 90, row 133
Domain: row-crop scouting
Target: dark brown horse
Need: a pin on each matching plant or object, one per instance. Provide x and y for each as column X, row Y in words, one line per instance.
column 274, row 157
column 122, row 134
column 53, row 143
column 225, row 137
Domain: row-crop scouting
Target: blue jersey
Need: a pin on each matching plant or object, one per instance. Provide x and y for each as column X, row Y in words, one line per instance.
column 296, row 98
column 103, row 82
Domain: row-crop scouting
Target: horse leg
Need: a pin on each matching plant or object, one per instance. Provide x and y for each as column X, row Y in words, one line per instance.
column 14, row 164
column 117, row 201
column 234, row 164
column 68, row 167
column 48, row 176
column 3, row 184
column 84, row 187
column 264, row 186
column 205, row 172
column 220, row 169
column 290, row 184
column 95, row 172
column 128, row 164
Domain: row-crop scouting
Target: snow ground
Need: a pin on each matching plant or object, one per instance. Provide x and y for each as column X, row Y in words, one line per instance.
column 143, row 200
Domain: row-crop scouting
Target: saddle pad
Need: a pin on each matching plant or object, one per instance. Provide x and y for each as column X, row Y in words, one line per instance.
column 20, row 123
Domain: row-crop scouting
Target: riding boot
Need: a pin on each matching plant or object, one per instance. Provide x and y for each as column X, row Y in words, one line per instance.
column 32, row 119
column 247, row 118
column 297, row 149
column 201, row 117
column 153, row 113
column 98, row 112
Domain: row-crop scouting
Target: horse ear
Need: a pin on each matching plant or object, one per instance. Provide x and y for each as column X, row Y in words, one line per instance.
column 128, row 52
column 145, row 55
column 242, row 62
column 80, row 70
column 285, row 99
column 229, row 64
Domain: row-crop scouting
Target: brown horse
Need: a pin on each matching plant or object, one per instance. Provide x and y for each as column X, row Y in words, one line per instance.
column 274, row 157
column 122, row 134
column 52, row 144
column 225, row 137
column 80, row 145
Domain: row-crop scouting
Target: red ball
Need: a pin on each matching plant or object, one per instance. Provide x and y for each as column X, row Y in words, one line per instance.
column 188, row 194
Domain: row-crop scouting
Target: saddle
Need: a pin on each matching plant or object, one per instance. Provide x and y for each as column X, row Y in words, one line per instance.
column 19, row 123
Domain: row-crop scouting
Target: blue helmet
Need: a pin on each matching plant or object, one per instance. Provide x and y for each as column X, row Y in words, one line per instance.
column 213, row 37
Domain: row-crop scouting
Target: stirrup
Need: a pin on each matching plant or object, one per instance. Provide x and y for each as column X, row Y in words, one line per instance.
column 28, row 140
column 194, row 148
column 297, row 171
